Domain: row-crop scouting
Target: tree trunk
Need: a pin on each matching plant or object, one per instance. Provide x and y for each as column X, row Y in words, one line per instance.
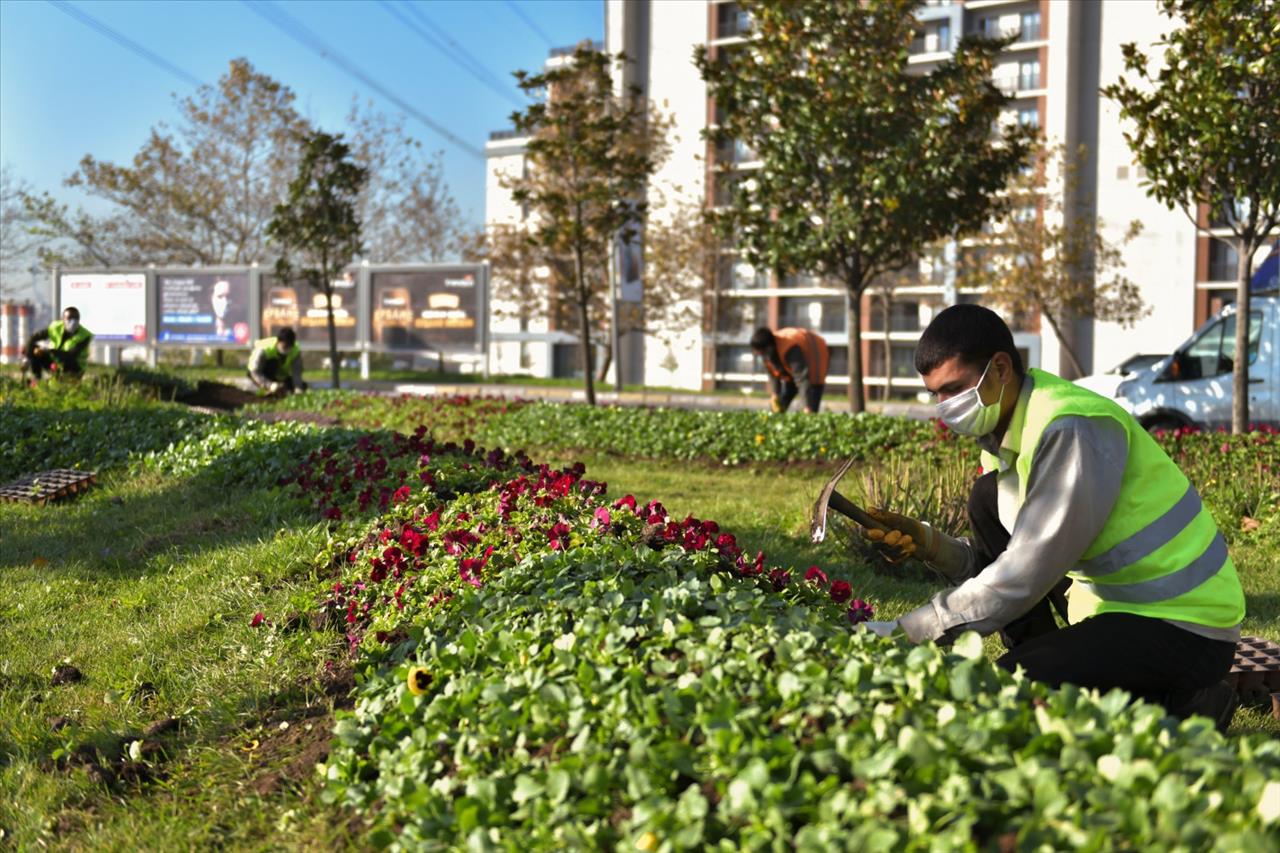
column 1240, row 370
column 1066, row 347
column 333, row 332
column 853, row 321
column 603, row 370
column 584, row 327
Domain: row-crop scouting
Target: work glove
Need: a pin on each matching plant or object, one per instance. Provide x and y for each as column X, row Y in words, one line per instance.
column 273, row 387
column 880, row 629
column 907, row 537
column 775, row 405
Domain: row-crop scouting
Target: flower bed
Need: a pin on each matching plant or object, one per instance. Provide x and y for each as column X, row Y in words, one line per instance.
column 543, row 667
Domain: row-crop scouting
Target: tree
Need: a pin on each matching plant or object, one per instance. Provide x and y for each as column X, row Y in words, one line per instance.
column 200, row 194
column 864, row 160
column 1043, row 256
column 17, row 244
column 318, row 222
column 406, row 210
column 1205, row 127
column 589, row 156
column 204, row 192
column 682, row 248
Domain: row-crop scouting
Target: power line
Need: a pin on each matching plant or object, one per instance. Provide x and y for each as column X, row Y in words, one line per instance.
column 291, row 27
column 532, row 24
column 124, row 41
column 504, row 83
column 476, row 71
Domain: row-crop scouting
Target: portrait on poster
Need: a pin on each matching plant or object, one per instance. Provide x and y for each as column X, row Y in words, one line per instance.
column 203, row 308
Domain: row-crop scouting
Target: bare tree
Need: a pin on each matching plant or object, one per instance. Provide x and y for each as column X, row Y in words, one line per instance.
column 1043, row 256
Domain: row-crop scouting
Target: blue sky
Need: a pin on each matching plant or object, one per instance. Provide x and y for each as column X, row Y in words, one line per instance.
column 67, row 90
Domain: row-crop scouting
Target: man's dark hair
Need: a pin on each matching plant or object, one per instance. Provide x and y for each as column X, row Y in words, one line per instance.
column 286, row 336
column 762, row 340
column 972, row 332
column 72, row 312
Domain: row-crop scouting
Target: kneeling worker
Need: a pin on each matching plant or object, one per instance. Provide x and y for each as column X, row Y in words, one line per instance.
column 797, row 363
column 276, row 363
column 1075, row 491
column 62, row 347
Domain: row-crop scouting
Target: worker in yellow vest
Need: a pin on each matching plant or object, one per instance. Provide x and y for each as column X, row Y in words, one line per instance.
column 796, row 360
column 1077, row 493
column 275, row 365
column 62, row 348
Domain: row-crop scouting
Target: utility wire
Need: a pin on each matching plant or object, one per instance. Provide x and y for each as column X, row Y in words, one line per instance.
column 530, row 23
column 291, row 27
column 458, row 59
column 415, row 8
column 124, row 41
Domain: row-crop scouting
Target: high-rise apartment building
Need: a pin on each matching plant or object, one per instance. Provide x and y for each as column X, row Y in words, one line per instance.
column 1062, row 52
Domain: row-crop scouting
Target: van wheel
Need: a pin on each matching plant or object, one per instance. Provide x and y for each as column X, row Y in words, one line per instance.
column 1163, row 423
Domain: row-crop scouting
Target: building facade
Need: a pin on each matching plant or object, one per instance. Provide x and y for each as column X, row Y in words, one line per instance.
column 1062, row 52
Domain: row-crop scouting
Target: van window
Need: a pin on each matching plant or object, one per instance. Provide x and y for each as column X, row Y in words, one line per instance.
column 1213, row 352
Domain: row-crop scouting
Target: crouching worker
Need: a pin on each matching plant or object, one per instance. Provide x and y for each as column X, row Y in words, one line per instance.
column 1075, row 494
column 62, row 348
column 276, row 364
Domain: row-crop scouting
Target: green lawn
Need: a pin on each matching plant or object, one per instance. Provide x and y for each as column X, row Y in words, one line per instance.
column 148, row 584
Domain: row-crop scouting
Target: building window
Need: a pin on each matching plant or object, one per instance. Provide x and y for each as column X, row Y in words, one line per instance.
column 944, row 36
column 732, row 20
column 820, row 315
column 1030, row 27
column 1029, row 117
column 1029, row 75
column 904, row 315
column 989, row 27
column 1223, row 260
column 735, row 359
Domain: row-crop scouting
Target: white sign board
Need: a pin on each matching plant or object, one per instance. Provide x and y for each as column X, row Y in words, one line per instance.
column 112, row 305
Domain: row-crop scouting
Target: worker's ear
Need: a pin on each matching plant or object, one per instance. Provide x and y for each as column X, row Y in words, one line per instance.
column 1002, row 367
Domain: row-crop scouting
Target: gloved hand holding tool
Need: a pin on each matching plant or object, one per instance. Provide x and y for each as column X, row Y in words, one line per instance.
column 895, row 536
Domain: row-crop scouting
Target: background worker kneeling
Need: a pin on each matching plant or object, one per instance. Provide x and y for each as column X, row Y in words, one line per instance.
column 276, row 363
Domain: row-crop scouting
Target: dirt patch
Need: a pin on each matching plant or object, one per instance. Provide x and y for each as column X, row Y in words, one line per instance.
column 215, row 395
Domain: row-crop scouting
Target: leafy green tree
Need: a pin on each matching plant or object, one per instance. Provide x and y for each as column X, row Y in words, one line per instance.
column 1205, row 126
column 317, row 226
column 588, row 159
column 864, row 159
column 1053, row 259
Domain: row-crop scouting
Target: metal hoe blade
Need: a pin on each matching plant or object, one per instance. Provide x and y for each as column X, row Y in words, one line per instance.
column 829, row 499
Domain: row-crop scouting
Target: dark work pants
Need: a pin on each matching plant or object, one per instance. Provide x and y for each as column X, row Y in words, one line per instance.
column 41, row 360
column 812, row 396
column 1149, row 658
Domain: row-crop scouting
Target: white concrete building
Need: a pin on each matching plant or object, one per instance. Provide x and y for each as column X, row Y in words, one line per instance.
column 1063, row 52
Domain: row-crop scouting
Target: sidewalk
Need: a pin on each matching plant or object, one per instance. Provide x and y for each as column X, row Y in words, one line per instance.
column 667, row 399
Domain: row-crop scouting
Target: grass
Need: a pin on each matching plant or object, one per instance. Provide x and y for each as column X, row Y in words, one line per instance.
column 147, row 584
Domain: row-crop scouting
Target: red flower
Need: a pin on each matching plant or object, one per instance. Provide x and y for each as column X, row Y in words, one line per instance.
column 817, row 575
column 256, row 620
column 334, row 513
column 841, row 592
column 779, row 579
column 627, row 502
column 602, row 517
column 859, row 611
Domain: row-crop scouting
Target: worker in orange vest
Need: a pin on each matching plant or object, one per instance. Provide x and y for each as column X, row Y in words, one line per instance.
column 797, row 363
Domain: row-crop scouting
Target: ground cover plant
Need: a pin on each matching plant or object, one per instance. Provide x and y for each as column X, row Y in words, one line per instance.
column 217, row 591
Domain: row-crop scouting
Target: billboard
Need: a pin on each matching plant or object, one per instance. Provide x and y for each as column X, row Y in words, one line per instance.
column 203, row 308
column 113, row 305
column 439, row 308
column 297, row 304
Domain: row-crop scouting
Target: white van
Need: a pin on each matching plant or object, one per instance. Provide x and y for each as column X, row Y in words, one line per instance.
column 1192, row 387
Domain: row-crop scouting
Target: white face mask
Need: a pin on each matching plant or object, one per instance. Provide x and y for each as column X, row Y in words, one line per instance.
column 967, row 414
column 71, row 326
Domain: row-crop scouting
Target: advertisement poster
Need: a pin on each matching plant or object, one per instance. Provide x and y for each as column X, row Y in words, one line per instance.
column 112, row 305
column 203, row 308
column 299, row 305
column 436, row 309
